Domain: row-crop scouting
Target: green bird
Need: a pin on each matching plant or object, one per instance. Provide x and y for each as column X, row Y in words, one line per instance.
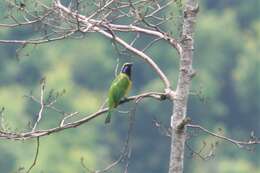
column 119, row 88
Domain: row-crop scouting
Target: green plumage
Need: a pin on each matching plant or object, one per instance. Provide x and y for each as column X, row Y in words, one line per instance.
column 118, row 89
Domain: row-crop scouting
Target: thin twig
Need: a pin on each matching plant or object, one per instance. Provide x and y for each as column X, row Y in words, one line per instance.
column 67, row 117
column 39, row 40
column 239, row 144
column 150, row 44
column 39, row 117
column 126, row 150
column 36, row 155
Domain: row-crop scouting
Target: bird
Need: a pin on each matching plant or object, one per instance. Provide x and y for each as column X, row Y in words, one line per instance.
column 119, row 89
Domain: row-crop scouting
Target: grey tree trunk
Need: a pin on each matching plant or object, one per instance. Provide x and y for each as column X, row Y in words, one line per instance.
column 186, row 72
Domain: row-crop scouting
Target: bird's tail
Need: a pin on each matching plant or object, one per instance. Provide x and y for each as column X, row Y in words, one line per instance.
column 108, row 118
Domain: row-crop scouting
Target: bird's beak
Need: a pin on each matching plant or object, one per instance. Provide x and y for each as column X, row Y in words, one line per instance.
column 128, row 64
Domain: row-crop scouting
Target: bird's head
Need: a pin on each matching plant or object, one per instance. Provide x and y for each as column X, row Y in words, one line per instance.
column 126, row 68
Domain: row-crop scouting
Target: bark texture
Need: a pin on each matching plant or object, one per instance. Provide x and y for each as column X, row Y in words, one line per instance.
column 186, row 73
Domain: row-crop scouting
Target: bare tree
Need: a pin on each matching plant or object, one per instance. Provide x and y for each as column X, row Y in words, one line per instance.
column 56, row 20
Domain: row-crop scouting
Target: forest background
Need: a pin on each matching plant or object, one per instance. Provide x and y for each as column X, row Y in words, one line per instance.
column 226, row 87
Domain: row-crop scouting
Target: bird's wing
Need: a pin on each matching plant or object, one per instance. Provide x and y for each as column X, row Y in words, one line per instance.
column 118, row 89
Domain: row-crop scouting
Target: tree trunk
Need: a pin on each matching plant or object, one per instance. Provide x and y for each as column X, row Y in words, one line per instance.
column 186, row 72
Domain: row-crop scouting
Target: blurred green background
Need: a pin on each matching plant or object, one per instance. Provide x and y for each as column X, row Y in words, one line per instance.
column 227, row 60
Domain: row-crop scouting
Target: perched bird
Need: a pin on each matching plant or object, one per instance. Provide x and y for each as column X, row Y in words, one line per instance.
column 119, row 88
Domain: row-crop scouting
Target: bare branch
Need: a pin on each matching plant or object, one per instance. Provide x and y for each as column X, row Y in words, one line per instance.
column 36, row 155
column 101, row 9
column 39, row 19
column 40, row 133
column 160, row 8
column 39, row 117
column 239, row 144
column 202, row 157
column 39, row 40
column 67, row 117
column 142, row 55
column 150, row 44
column 162, row 128
column 95, row 25
column 126, row 151
column 111, row 35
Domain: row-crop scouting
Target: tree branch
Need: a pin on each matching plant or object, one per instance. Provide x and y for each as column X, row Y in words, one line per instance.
column 40, row 133
column 36, row 155
column 39, row 117
column 39, row 40
column 111, row 35
column 239, row 144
